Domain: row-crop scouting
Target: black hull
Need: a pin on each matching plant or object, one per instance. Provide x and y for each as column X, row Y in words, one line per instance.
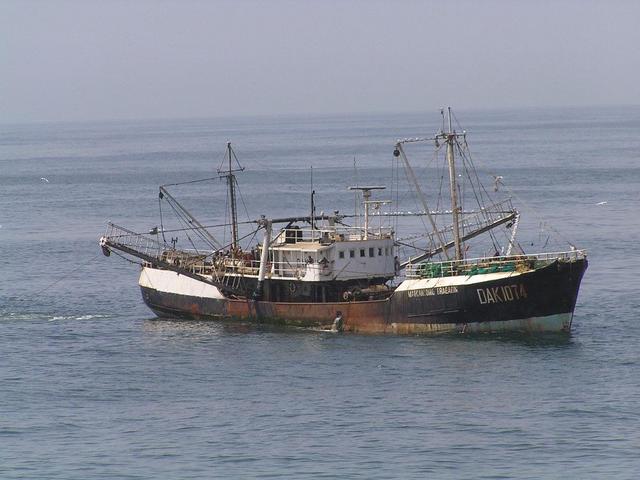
column 550, row 290
column 539, row 300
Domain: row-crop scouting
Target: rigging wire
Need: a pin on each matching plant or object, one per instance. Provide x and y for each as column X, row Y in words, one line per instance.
column 467, row 153
column 415, row 200
column 115, row 252
column 442, row 172
column 525, row 204
column 161, row 219
column 241, row 198
column 481, row 191
column 396, row 162
column 182, row 216
column 468, row 168
column 540, row 219
column 204, row 227
column 227, row 215
column 183, row 220
column 59, row 279
column 190, row 182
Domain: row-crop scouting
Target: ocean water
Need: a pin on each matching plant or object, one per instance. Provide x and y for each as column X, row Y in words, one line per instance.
column 92, row 385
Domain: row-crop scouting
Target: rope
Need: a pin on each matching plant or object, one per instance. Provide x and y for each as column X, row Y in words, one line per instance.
column 190, row 182
column 242, row 199
column 186, row 222
column 61, row 279
column 535, row 214
column 467, row 163
column 161, row 219
column 466, row 155
column 227, row 216
column 173, row 230
column 124, row 258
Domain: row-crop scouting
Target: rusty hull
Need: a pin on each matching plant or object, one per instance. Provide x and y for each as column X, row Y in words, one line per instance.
column 365, row 316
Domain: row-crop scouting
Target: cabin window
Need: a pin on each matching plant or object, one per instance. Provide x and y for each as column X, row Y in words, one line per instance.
column 371, row 252
column 379, row 252
column 352, row 253
column 341, row 254
column 362, row 252
column 386, row 251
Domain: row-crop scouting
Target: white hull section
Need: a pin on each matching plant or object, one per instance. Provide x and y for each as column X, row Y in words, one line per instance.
column 552, row 323
column 170, row 282
column 458, row 280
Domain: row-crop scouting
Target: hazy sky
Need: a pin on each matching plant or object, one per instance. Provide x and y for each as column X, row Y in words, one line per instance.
column 78, row 60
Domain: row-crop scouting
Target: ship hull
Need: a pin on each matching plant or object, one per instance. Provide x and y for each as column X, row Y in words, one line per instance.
column 541, row 300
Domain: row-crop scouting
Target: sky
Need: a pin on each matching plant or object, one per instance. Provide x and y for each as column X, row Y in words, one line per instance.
column 122, row 60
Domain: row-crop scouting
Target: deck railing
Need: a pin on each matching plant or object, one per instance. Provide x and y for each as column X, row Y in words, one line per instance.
column 470, row 222
column 472, row 266
column 207, row 263
column 138, row 242
column 330, row 235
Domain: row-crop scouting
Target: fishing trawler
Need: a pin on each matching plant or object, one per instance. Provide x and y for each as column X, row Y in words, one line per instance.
column 352, row 272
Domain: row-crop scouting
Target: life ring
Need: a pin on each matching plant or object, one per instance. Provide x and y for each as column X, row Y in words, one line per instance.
column 292, row 287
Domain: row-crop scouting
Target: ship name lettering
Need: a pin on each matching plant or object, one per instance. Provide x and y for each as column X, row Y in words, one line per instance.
column 446, row 290
column 429, row 292
column 506, row 293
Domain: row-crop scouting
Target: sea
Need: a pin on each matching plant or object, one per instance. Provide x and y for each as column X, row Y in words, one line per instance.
column 94, row 386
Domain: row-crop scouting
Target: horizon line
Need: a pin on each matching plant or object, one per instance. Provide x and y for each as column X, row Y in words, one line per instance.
column 238, row 116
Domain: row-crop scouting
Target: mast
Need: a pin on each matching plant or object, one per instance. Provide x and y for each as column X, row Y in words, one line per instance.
column 506, row 211
column 231, row 184
column 451, row 138
column 313, row 205
column 366, row 194
column 232, row 197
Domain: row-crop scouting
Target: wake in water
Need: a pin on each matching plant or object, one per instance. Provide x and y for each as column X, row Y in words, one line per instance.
column 42, row 316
